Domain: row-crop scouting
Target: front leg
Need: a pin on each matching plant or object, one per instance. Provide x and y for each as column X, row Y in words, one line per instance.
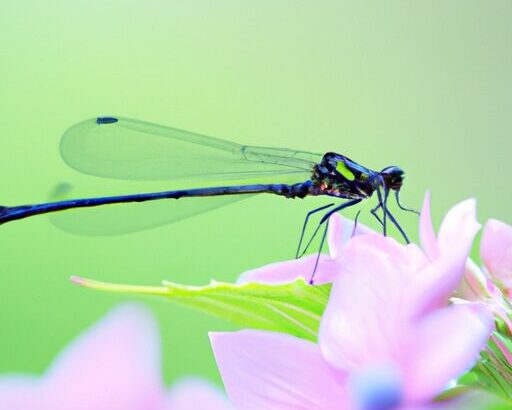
column 314, row 211
column 325, row 219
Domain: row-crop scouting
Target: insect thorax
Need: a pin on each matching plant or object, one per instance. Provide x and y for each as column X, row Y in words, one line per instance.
column 339, row 176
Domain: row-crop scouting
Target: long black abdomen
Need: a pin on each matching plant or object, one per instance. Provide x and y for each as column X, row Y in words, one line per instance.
column 8, row 214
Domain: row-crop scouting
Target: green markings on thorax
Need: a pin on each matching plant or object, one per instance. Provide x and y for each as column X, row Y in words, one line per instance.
column 342, row 168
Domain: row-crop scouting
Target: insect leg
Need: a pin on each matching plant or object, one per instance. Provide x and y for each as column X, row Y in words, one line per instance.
column 385, row 209
column 355, row 223
column 310, row 240
column 383, row 203
column 339, row 208
column 394, row 221
column 325, row 219
column 374, row 213
column 404, row 208
column 319, row 252
column 306, row 223
column 392, row 218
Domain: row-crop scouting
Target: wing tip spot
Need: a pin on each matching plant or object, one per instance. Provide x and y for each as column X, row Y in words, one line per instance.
column 106, row 120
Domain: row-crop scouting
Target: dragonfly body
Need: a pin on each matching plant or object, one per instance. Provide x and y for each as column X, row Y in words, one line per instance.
column 339, row 176
column 299, row 190
column 335, row 176
column 122, row 148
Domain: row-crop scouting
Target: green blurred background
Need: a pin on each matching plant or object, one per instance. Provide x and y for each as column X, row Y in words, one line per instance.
column 425, row 85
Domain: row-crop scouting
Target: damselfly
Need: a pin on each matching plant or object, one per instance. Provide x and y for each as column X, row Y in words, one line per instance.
column 116, row 147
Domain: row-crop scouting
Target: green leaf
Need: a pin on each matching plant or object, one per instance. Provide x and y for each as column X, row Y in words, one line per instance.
column 471, row 399
column 293, row 308
column 493, row 371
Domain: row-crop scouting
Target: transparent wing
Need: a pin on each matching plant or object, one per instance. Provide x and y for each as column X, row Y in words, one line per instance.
column 135, row 150
column 131, row 149
column 125, row 218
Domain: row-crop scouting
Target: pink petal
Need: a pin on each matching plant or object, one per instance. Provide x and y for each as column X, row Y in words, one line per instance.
column 427, row 236
column 19, row 392
column 496, row 250
column 474, row 283
column 365, row 313
column 273, row 371
column 459, row 228
column 432, row 287
column 115, row 365
column 196, row 394
column 437, row 283
column 290, row 271
column 340, row 231
column 442, row 347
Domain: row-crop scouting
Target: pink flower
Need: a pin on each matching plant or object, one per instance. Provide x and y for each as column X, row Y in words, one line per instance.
column 495, row 249
column 492, row 284
column 388, row 338
column 462, row 217
column 496, row 252
column 115, row 365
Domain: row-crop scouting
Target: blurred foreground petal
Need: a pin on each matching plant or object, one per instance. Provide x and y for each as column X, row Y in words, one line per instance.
column 196, row 394
column 272, row 371
column 115, row 365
